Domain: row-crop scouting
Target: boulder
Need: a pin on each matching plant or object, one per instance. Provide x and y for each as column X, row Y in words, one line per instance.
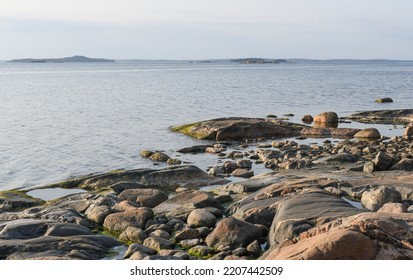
column 408, row 132
column 307, row 119
column 244, row 164
column 184, row 203
column 194, row 149
column 326, row 117
column 368, row 133
column 243, row 173
column 146, row 153
column 382, row 161
column 201, row 217
column 341, row 244
column 303, row 211
column 98, row 213
column 393, row 208
column 144, row 197
column 404, row 164
column 233, row 233
column 260, row 211
column 157, row 243
column 118, row 222
column 133, row 234
column 185, row 234
column 237, row 129
column 159, row 156
column 374, row 199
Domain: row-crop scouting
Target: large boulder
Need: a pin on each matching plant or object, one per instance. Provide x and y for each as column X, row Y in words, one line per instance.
column 368, row 133
column 233, row 233
column 201, row 217
column 382, row 161
column 374, row 199
column 182, row 204
column 144, row 197
column 238, row 128
column 403, row 164
column 326, row 117
column 301, row 212
column 118, row 222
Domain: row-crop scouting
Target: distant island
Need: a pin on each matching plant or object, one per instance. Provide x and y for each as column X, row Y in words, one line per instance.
column 257, row 60
column 76, row 58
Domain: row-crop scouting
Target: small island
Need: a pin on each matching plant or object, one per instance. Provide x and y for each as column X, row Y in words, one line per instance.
column 76, row 58
column 257, row 60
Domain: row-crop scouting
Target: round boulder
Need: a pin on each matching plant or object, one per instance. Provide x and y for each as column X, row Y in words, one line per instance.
column 368, row 133
column 144, row 197
column 326, row 117
column 374, row 199
column 201, row 217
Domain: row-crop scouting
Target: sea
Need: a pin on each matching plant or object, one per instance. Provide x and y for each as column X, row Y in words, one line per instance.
column 62, row 120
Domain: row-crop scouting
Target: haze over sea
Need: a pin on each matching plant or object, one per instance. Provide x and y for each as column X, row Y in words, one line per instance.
column 64, row 120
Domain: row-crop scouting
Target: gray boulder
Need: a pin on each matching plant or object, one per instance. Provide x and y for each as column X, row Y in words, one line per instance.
column 374, row 199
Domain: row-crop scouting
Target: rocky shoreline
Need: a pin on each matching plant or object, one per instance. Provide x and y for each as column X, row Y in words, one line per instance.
column 345, row 199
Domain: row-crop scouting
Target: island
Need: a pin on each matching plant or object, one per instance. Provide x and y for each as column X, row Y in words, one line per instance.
column 76, row 58
column 257, row 60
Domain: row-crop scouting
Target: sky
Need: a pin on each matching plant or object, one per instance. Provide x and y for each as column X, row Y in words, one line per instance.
column 207, row 29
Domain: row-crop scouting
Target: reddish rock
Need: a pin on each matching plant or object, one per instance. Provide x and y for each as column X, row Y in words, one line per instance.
column 408, row 132
column 326, row 117
column 393, row 208
column 121, row 221
column 233, row 233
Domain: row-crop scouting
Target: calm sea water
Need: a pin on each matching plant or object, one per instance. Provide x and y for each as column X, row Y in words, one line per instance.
column 64, row 120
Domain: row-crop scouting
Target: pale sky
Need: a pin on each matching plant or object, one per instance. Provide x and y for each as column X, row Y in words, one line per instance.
column 203, row 29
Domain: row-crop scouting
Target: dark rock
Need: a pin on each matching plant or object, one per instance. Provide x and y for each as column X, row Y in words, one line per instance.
column 307, row 119
column 144, row 197
column 234, row 233
column 162, row 258
column 189, row 243
column 16, row 200
column 254, row 249
column 121, row 186
column 244, row 164
column 382, row 161
column 258, row 211
column 384, row 100
column 194, row 149
column 374, row 199
column 174, row 161
column 403, row 116
column 118, row 222
column 404, row 164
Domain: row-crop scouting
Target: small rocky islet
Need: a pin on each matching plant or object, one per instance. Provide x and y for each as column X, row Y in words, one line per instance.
column 345, row 199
